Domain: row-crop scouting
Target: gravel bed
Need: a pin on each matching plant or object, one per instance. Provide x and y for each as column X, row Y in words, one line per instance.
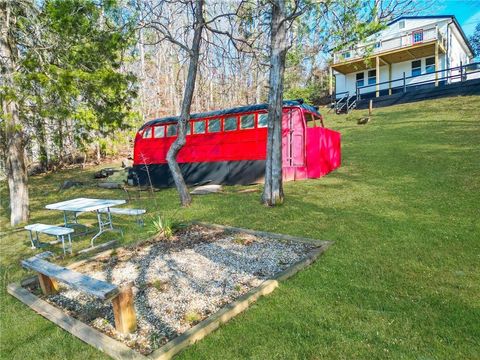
column 180, row 281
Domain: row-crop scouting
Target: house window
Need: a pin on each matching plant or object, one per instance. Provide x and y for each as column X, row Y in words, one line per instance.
column 430, row 65
column 147, row 134
column 159, row 132
column 347, row 54
column 214, row 126
column 171, row 130
column 378, row 45
column 262, row 120
column 401, row 24
column 417, row 36
column 247, row 122
column 199, row 127
column 416, row 67
column 230, row 124
column 360, row 77
column 372, row 77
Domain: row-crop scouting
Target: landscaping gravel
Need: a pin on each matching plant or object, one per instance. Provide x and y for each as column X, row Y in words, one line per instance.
column 180, row 281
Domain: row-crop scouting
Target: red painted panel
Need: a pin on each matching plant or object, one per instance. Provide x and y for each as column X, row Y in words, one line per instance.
column 293, row 138
column 241, row 144
column 323, row 151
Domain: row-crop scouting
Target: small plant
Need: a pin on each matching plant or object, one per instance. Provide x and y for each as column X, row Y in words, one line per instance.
column 192, row 317
column 243, row 239
column 160, row 285
column 163, row 226
column 238, row 288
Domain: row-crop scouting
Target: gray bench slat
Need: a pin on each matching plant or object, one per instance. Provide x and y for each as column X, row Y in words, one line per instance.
column 124, row 211
column 98, row 288
column 49, row 229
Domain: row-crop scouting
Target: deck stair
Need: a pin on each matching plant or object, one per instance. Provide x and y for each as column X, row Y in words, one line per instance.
column 345, row 104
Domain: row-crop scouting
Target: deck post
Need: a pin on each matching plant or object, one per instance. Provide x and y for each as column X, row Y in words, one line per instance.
column 436, row 63
column 377, row 76
column 49, row 286
column 330, row 81
column 461, row 71
column 404, row 83
column 389, row 79
column 124, row 311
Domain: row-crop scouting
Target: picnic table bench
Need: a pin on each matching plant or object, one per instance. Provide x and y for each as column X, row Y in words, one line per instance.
column 127, row 211
column 50, row 274
column 58, row 231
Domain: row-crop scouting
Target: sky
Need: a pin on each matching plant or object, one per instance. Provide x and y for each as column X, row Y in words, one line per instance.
column 467, row 12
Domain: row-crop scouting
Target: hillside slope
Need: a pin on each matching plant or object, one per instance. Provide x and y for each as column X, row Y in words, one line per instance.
column 401, row 281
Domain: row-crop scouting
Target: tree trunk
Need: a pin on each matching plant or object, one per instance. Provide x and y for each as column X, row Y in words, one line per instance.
column 185, row 198
column 42, row 144
column 15, row 157
column 273, row 189
column 16, row 169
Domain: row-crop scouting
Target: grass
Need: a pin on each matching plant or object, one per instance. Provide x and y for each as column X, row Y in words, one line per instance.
column 401, row 281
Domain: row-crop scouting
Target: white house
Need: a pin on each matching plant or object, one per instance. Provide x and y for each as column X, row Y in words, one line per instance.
column 410, row 50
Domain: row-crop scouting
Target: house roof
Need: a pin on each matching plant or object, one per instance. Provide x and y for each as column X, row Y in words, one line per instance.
column 454, row 19
column 232, row 111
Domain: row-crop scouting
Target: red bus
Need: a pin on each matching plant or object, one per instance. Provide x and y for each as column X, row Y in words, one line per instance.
column 229, row 146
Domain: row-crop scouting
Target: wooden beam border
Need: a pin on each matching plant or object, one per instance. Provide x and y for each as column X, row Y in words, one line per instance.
column 120, row 351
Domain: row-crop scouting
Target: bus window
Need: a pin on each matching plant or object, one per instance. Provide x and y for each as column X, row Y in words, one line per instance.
column 147, row 134
column 199, row 127
column 230, row 123
column 214, row 125
column 171, row 130
column 159, row 132
column 262, row 120
column 247, row 122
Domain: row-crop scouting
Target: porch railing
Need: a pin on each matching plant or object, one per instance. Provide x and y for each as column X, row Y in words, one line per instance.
column 446, row 76
column 450, row 75
column 398, row 41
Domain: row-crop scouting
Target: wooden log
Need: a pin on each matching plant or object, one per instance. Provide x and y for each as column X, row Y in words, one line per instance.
column 124, row 311
column 101, row 289
column 49, row 286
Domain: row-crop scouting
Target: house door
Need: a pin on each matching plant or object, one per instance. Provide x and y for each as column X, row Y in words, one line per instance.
column 293, row 139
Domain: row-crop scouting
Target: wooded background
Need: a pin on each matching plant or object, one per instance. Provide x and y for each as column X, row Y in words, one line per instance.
column 80, row 76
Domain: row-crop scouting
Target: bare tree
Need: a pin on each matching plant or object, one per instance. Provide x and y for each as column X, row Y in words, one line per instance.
column 177, row 145
column 165, row 18
column 273, row 189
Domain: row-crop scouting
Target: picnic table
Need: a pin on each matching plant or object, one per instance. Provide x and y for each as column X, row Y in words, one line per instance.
column 99, row 206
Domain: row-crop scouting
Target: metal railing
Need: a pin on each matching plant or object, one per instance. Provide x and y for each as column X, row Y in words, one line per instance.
column 450, row 75
column 398, row 41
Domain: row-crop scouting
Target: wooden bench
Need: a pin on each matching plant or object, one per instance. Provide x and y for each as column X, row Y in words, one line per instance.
column 126, row 211
column 50, row 274
column 58, row 231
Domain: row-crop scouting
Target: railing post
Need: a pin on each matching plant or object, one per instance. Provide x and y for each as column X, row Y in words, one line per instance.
column 357, row 93
column 330, row 80
column 437, row 63
column 461, row 71
column 404, row 83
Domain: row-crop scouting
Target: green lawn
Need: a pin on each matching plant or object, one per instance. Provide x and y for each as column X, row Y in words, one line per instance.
column 401, row 281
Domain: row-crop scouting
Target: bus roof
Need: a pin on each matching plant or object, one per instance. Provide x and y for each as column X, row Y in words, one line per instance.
column 233, row 111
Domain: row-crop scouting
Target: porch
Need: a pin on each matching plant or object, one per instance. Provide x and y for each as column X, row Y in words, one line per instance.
column 384, row 59
column 459, row 80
